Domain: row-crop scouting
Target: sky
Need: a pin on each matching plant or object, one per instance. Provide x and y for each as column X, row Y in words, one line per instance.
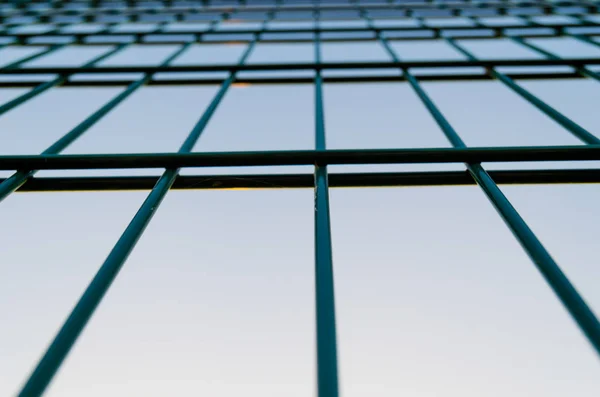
column 434, row 295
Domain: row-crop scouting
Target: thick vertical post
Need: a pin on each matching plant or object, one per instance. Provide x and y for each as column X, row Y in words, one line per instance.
column 91, row 298
column 327, row 369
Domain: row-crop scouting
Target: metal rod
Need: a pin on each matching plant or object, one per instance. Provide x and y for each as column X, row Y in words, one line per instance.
column 53, row 83
column 585, row 40
column 581, row 70
column 96, row 9
column 436, row 31
column 21, row 176
column 18, row 63
column 444, row 63
column 83, row 311
column 327, row 368
column 442, row 75
column 300, row 157
column 77, row 320
column 561, row 30
column 556, row 279
column 283, row 181
column 571, row 126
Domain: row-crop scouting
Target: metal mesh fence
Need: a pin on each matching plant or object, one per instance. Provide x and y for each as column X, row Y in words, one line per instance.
column 53, row 26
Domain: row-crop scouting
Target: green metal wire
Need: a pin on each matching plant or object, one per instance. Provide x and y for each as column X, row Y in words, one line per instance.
column 547, row 266
column 581, row 70
column 22, row 61
column 37, row 90
column 20, row 177
column 327, row 368
column 53, row 83
column 586, row 40
column 326, row 349
column 301, row 157
column 91, row 298
column 571, row 126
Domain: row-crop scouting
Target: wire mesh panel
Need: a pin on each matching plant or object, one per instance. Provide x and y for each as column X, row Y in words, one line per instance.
column 316, row 94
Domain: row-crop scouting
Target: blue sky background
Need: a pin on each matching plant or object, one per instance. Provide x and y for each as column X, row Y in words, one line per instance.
column 434, row 295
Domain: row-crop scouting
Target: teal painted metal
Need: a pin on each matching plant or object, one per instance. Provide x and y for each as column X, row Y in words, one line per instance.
column 584, row 71
column 586, row 40
column 83, row 311
column 91, row 298
column 20, row 177
column 22, row 61
column 581, row 70
column 300, row 181
column 571, row 126
column 341, row 65
column 327, row 367
column 301, row 157
column 547, row 266
column 30, row 94
column 52, row 83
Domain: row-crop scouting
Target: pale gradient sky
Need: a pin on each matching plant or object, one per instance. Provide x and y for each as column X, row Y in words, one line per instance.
column 434, row 295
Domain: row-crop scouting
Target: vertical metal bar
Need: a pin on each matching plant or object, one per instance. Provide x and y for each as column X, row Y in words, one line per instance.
column 52, row 83
column 327, row 368
column 574, row 128
column 16, row 180
column 91, row 298
column 558, row 281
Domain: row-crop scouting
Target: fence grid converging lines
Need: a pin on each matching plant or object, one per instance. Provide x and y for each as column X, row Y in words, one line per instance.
column 49, row 28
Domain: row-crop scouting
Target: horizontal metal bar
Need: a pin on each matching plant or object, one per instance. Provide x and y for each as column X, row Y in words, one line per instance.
column 300, row 157
column 131, row 11
column 19, row 62
column 585, row 72
column 171, row 38
column 44, row 86
column 303, row 80
column 559, row 29
column 286, row 181
column 66, row 140
column 215, row 32
column 305, row 66
column 39, row 87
